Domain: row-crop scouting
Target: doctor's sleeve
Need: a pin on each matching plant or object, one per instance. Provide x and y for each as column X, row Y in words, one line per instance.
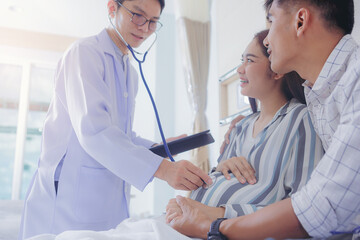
column 142, row 141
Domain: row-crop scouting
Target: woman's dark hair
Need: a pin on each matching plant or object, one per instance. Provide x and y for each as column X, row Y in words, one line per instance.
column 162, row 3
column 291, row 82
column 336, row 13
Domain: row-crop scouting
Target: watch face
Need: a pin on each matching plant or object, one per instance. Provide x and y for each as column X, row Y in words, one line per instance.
column 214, row 237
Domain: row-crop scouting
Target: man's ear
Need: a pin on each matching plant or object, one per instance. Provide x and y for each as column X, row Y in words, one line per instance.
column 302, row 21
column 112, row 7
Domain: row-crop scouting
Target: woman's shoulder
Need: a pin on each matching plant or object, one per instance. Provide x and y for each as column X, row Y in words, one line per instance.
column 297, row 111
column 294, row 106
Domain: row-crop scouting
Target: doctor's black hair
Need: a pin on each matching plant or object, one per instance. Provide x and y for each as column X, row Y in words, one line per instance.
column 337, row 14
column 291, row 82
column 162, row 3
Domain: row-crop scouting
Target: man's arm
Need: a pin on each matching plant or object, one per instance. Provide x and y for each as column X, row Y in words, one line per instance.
column 277, row 221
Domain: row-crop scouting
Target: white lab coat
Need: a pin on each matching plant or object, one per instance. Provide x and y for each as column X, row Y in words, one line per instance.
column 89, row 126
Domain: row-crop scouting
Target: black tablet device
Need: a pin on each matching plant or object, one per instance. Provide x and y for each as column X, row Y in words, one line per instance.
column 184, row 144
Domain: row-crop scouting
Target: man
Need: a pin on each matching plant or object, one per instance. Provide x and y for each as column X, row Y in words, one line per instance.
column 312, row 38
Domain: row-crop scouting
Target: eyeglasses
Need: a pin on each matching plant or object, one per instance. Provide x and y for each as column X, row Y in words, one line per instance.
column 140, row 20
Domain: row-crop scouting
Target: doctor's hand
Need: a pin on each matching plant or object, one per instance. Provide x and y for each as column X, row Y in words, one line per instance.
column 238, row 166
column 182, row 175
column 192, row 222
column 170, row 139
column 227, row 134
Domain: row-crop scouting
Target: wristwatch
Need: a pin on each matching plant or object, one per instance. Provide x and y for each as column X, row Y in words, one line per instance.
column 214, row 233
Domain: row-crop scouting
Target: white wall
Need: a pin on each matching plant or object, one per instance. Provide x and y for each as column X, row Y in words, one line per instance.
column 236, row 22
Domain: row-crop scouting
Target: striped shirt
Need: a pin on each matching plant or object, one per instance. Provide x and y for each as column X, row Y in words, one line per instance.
column 283, row 155
column 331, row 199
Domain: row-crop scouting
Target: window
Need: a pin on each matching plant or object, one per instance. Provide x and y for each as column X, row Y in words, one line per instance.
column 41, row 91
column 10, row 82
column 19, row 110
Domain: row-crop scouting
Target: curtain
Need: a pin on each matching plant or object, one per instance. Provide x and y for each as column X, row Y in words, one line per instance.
column 193, row 23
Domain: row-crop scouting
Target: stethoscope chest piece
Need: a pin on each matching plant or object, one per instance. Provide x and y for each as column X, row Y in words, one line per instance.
column 207, row 186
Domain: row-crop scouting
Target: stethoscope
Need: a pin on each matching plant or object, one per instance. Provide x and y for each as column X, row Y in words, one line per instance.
column 133, row 52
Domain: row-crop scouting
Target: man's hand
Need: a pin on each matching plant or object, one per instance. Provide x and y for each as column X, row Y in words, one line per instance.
column 227, row 134
column 241, row 169
column 173, row 209
column 182, row 175
column 192, row 222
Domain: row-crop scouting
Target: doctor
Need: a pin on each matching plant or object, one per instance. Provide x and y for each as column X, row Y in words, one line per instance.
column 90, row 155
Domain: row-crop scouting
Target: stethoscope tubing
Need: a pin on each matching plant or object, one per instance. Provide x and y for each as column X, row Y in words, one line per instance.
column 156, row 113
column 146, row 86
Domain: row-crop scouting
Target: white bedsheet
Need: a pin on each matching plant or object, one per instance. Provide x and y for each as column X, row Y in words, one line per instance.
column 129, row 229
column 143, row 229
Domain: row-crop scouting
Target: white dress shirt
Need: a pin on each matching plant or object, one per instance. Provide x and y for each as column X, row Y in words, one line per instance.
column 330, row 201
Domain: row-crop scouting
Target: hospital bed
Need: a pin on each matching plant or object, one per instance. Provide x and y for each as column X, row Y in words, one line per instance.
column 10, row 217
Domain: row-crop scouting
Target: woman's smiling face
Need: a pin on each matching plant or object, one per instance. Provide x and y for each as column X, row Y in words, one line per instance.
column 256, row 77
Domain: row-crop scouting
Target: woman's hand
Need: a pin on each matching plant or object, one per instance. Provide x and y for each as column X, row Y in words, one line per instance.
column 241, row 169
column 227, row 134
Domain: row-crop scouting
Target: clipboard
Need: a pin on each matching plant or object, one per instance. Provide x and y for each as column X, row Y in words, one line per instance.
column 184, row 144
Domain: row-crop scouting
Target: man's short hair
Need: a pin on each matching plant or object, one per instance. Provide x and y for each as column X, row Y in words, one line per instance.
column 336, row 13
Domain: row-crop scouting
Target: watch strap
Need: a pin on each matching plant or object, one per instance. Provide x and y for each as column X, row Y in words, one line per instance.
column 214, row 229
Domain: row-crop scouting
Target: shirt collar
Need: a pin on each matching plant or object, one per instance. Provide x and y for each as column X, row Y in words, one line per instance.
column 108, row 45
column 287, row 107
column 334, row 63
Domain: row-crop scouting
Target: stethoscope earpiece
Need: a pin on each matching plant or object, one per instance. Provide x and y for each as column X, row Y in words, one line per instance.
column 133, row 51
column 112, row 15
